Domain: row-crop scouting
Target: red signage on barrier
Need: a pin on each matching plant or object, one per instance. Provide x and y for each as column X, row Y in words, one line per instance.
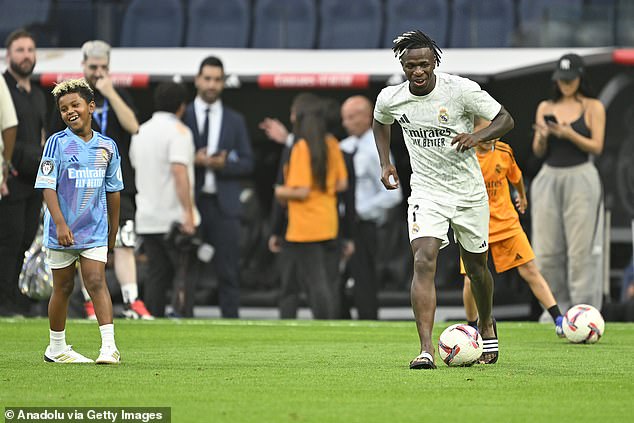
column 130, row 80
column 314, row 80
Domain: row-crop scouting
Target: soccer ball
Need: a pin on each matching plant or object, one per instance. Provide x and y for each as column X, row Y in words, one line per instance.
column 583, row 324
column 460, row 345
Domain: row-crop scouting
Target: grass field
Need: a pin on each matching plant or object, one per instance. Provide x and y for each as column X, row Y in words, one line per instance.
column 307, row 371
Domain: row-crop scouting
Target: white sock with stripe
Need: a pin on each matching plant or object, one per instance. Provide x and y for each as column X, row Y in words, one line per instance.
column 107, row 335
column 57, row 341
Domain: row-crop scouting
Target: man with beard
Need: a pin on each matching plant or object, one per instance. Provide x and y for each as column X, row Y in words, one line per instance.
column 21, row 203
column 114, row 117
column 223, row 156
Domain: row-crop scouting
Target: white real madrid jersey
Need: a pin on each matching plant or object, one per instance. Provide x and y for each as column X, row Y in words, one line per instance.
column 429, row 123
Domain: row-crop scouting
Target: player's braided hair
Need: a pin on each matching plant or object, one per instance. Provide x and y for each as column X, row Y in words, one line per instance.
column 79, row 86
column 415, row 39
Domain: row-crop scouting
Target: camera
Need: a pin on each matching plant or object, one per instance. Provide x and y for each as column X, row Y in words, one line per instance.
column 185, row 243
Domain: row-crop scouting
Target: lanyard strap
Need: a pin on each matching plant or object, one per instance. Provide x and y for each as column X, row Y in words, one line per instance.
column 102, row 118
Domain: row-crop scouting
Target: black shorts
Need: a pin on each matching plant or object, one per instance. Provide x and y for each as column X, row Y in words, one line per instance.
column 127, row 208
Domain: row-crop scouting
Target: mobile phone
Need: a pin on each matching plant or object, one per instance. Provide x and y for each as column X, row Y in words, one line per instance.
column 550, row 118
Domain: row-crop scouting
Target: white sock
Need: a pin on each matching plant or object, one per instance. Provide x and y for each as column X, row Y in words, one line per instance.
column 107, row 335
column 86, row 295
column 129, row 292
column 57, row 341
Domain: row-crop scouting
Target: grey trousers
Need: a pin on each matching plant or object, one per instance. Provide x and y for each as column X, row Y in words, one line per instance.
column 567, row 235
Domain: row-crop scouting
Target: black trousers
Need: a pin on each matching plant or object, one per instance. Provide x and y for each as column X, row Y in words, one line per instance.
column 19, row 220
column 363, row 270
column 311, row 267
column 168, row 269
column 223, row 233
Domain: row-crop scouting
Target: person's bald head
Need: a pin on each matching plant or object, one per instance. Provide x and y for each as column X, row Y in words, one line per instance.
column 356, row 115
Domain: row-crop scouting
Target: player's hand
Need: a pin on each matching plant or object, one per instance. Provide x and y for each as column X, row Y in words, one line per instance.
column 275, row 244
column 464, row 141
column 105, row 86
column 65, row 236
column 389, row 177
column 521, row 203
column 274, row 130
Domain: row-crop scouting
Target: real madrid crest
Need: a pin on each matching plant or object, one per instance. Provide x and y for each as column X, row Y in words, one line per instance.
column 415, row 228
column 443, row 116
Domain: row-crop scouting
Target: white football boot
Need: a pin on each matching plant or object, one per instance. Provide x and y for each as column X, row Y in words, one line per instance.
column 108, row 355
column 67, row 356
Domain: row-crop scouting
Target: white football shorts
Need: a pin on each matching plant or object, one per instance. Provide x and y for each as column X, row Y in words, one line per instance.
column 426, row 218
column 59, row 259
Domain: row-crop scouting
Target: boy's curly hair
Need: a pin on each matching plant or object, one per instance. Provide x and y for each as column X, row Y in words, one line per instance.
column 79, row 86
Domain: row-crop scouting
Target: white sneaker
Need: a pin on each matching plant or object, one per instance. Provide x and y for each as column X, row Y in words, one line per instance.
column 66, row 356
column 108, row 355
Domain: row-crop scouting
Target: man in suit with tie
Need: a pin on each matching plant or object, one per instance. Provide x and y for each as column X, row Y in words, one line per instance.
column 223, row 156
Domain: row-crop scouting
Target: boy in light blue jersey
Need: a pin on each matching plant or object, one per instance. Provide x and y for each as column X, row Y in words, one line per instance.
column 80, row 176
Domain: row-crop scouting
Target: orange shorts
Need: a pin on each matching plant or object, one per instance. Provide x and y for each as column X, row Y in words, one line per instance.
column 509, row 253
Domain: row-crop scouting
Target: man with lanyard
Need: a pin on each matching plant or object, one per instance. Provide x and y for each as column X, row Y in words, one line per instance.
column 114, row 117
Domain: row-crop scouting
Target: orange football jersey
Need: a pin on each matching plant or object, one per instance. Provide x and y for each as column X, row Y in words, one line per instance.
column 497, row 166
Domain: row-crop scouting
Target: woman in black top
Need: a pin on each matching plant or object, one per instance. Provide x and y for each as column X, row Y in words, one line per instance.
column 566, row 195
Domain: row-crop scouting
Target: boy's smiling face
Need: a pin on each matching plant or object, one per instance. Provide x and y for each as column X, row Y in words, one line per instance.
column 76, row 112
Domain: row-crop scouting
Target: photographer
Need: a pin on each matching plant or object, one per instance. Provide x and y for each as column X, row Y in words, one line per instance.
column 162, row 154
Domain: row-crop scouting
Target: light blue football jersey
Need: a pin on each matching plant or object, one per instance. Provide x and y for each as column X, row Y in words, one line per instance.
column 81, row 172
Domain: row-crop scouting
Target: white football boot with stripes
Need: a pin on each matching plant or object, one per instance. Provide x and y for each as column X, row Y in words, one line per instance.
column 67, row 356
column 108, row 355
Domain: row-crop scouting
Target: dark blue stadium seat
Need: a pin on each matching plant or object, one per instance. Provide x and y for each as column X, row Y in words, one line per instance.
column 482, row 24
column 430, row 16
column 598, row 24
column 350, row 24
column 218, row 23
column 75, row 22
column 625, row 23
column 152, row 23
column 19, row 14
column 284, row 24
column 548, row 23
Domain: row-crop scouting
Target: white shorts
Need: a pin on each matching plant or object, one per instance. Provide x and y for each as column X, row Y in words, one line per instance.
column 59, row 259
column 426, row 218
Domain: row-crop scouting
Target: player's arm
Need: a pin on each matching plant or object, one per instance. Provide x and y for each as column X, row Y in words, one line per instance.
column 521, row 202
column 501, row 124
column 382, row 134
column 113, row 200
column 64, row 234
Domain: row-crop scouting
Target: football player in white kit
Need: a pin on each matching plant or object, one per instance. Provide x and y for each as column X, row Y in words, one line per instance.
column 436, row 112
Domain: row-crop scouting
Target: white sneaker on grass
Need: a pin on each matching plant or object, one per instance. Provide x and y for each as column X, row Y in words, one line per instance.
column 108, row 355
column 66, row 356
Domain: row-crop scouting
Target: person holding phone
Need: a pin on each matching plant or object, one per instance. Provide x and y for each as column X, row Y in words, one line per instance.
column 566, row 195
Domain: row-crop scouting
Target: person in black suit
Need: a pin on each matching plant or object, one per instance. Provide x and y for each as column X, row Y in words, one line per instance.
column 223, row 156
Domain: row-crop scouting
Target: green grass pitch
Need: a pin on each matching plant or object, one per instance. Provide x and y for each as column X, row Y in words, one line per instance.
column 310, row 371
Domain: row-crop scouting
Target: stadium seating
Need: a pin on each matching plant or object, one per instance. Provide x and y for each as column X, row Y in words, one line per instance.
column 624, row 25
column 548, row 23
column 218, row 23
column 430, row 16
column 16, row 14
column 482, row 24
column 284, row 24
column 350, row 24
column 153, row 23
column 75, row 20
column 597, row 28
